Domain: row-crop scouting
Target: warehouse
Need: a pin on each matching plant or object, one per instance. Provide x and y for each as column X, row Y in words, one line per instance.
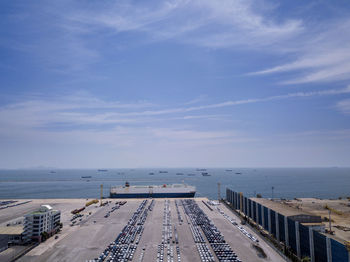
column 10, row 235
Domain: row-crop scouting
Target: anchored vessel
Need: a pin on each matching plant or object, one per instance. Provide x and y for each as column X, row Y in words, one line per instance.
column 155, row 191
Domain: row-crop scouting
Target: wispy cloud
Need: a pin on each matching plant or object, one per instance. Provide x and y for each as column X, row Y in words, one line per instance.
column 75, row 110
column 319, row 52
column 322, row 55
column 79, row 99
column 205, row 23
column 320, row 135
column 196, row 100
column 344, row 106
column 245, row 101
column 81, row 32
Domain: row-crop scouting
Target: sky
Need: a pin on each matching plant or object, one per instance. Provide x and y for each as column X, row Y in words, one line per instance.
column 178, row 83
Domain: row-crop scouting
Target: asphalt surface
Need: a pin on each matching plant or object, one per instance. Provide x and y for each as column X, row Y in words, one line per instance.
column 88, row 238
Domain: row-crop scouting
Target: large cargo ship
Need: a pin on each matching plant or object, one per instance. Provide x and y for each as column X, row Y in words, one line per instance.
column 155, row 191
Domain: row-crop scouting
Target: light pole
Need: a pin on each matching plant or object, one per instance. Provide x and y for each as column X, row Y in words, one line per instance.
column 219, row 192
column 272, row 188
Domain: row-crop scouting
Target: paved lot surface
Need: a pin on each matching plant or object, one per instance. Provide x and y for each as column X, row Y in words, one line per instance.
column 65, row 205
column 88, row 238
column 240, row 243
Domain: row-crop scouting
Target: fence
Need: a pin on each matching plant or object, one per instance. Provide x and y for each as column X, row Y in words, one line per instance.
column 302, row 240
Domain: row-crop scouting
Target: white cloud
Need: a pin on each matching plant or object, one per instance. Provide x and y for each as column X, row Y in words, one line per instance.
column 327, row 92
column 320, row 52
column 344, row 106
column 130, row 132
column 205, row 23
column 85, row 34
column 322, row 55
column 319, row 135
column 126, row 126
column 75, row 110
column 196, row 100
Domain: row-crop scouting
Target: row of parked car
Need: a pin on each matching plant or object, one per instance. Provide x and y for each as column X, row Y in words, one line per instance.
column 178, row 212
column 176, row 236
column 222, row 250
column 160, row 253
column 7, row 202
column 118, row 204
column 167, row 226
column 142, row 254
column 242, row 229
column 161, row 247
column 124, row 246
column 178, row 253
column 151, row 206
column 169, row 238
column 196, row 233
column 75, row 218
column 10, row 203
column 204, row 252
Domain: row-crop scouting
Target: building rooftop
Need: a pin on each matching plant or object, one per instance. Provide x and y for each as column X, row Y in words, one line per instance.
column 46, row 207
column 303, row 207
column 42, row 209
column 11, row 230
column 280, row 207
column 307, row 219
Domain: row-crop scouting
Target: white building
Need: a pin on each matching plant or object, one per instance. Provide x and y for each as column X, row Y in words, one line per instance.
column 43, row 220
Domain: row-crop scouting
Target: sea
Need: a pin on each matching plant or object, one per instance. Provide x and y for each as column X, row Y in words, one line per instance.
column 286, row 183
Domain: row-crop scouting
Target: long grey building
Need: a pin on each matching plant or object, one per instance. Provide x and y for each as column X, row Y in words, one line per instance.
column 301, row 233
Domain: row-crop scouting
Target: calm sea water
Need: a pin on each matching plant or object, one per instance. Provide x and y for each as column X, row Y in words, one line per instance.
column 287, row 182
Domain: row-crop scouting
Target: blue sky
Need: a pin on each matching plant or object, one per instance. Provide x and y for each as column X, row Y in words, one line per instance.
column 181, row 83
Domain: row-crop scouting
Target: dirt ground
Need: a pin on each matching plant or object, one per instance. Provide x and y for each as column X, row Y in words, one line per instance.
column 340, row 213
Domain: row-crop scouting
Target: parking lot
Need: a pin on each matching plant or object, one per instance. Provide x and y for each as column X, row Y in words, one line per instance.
column 87, row 239
column 170, row 230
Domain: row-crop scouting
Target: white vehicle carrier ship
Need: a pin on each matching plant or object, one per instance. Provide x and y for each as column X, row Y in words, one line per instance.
column 154, row 191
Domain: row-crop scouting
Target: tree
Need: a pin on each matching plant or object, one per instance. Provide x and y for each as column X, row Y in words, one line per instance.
column 305, row 259
column 44, row 236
